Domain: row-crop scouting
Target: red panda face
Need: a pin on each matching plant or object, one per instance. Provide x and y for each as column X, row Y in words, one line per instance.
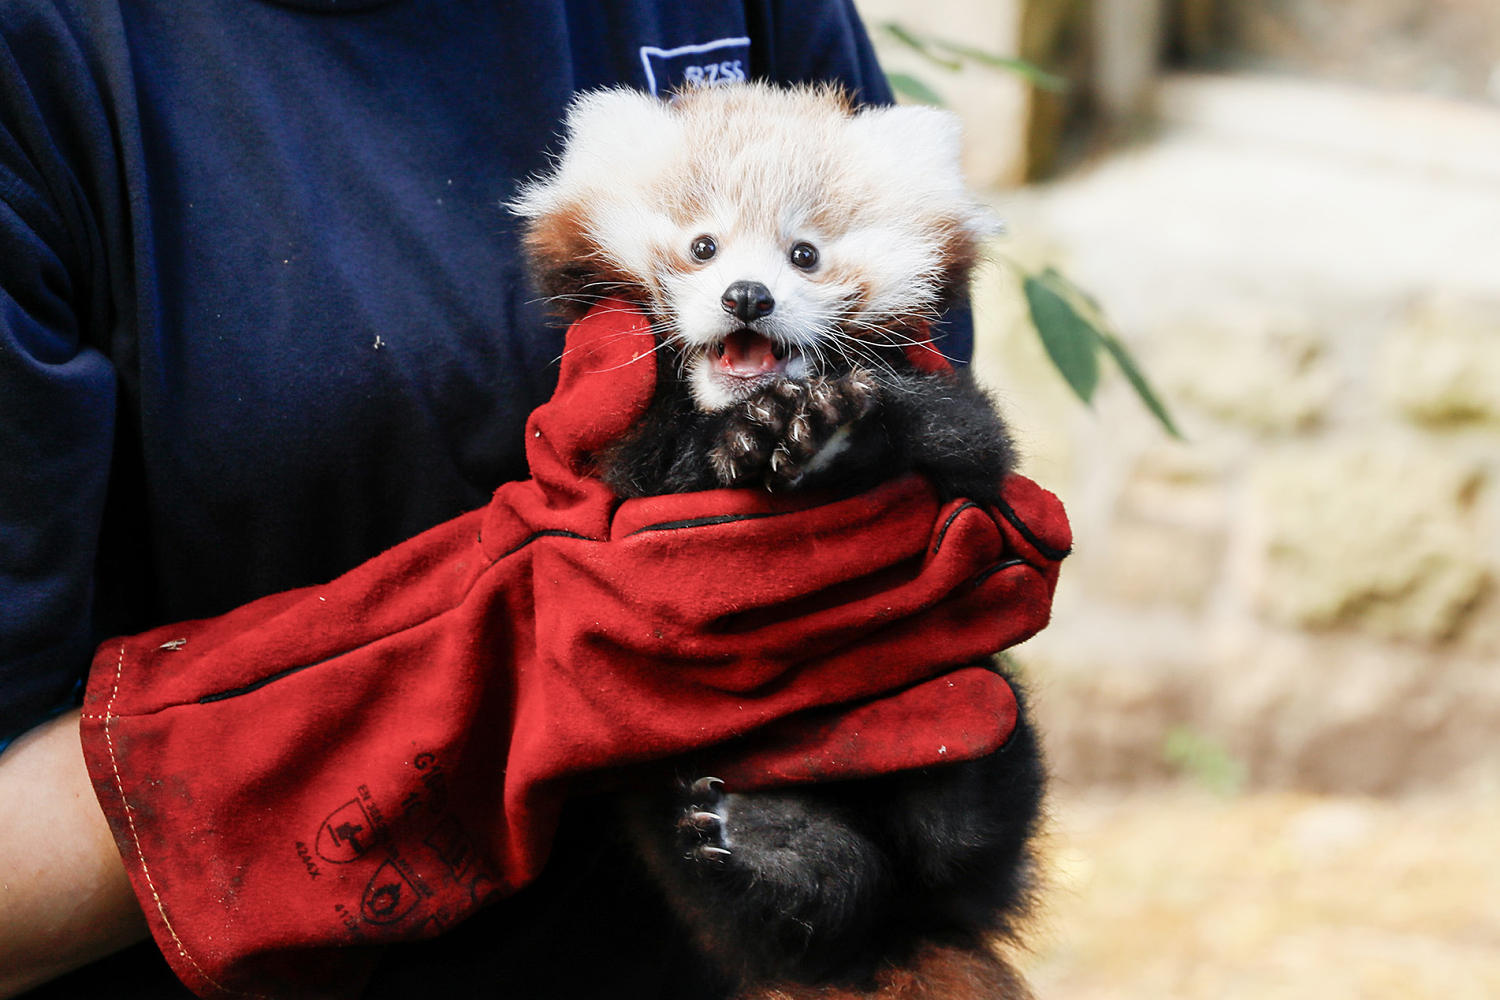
column 766, row 231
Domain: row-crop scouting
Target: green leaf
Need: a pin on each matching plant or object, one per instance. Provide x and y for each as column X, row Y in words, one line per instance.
column 1116, row 348
column 1138, row 382
column 1071, row 341
column 1028, row 71
column 919, row 45
column 1055, row 277
column 932, row 49
column 910, row 86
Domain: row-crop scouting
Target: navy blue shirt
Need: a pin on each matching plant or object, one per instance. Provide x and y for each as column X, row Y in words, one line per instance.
column 262, row 314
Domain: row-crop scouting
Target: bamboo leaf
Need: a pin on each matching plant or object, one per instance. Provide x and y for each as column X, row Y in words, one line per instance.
column 1070, row 341
column 1028, row 71
column 1138, row 382
column 910, row 87
column 1093, row 314
column 1060, row 281
column 919, row 45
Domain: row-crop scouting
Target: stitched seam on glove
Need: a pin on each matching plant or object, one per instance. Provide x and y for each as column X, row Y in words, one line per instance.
column 943, row 532
column 984, row 575
column 161, row 909
column 1046, row 551
column 545, row 533
column 704, row 522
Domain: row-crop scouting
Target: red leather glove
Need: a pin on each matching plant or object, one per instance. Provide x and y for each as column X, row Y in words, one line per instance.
column 372, row 759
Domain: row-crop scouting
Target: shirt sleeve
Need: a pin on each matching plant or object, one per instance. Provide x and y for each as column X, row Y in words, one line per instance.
column 802, row 42
column 57, row 395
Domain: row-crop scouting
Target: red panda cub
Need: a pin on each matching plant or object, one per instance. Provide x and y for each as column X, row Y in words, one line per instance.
column 792, row 252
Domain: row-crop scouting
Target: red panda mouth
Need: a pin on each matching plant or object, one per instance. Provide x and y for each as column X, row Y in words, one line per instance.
column 747, row 354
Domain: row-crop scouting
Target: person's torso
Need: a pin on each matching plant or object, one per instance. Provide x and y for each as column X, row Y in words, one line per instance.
column 335, row 344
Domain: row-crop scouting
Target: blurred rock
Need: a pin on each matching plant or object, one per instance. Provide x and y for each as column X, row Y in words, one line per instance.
column 1172, row 894
column 1107, row 722
column 1445, row 365
column 1445, row 48
column 1262, row 374
column 1342, row 712
column 1309, row 274
column 1166, row 542
column 1378, row 537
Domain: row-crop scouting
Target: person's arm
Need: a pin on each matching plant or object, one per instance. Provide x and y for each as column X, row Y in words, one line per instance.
column 64, row 897
column 59, row 212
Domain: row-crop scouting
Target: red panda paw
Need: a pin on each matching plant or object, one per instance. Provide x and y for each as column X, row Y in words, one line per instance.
column 700, row 828
column 793, row 430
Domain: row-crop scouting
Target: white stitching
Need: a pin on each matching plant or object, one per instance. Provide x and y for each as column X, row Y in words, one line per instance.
column 109, row 742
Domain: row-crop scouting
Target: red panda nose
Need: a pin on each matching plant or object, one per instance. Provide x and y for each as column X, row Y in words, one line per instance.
column 747, row 300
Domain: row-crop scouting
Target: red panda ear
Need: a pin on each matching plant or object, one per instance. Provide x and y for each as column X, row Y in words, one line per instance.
column 917, row 150
column 607, row 126
column 612, row 137
column 923, row 141
column 962, row 241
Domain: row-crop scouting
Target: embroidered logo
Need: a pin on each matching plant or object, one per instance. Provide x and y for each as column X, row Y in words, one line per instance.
column 725, row 60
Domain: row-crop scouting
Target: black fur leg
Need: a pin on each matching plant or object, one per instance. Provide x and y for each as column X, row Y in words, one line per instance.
column 960, row 835
column 775, row 886
column 942, row 424
column 821, row 883
column 827, row 883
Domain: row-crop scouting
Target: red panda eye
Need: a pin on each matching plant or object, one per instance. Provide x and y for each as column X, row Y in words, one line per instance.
column 804, row 255
column 704, row 247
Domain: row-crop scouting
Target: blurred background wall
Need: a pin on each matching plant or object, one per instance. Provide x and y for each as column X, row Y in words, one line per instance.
column 1271, row 691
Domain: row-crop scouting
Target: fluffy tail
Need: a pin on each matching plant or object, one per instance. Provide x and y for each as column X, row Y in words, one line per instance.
column 935, row 973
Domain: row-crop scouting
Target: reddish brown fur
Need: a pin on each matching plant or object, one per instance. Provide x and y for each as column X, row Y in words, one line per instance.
column 936, row 973
column 829, row 214
column 682, row 202
column 566, row 265
column 962, row 252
